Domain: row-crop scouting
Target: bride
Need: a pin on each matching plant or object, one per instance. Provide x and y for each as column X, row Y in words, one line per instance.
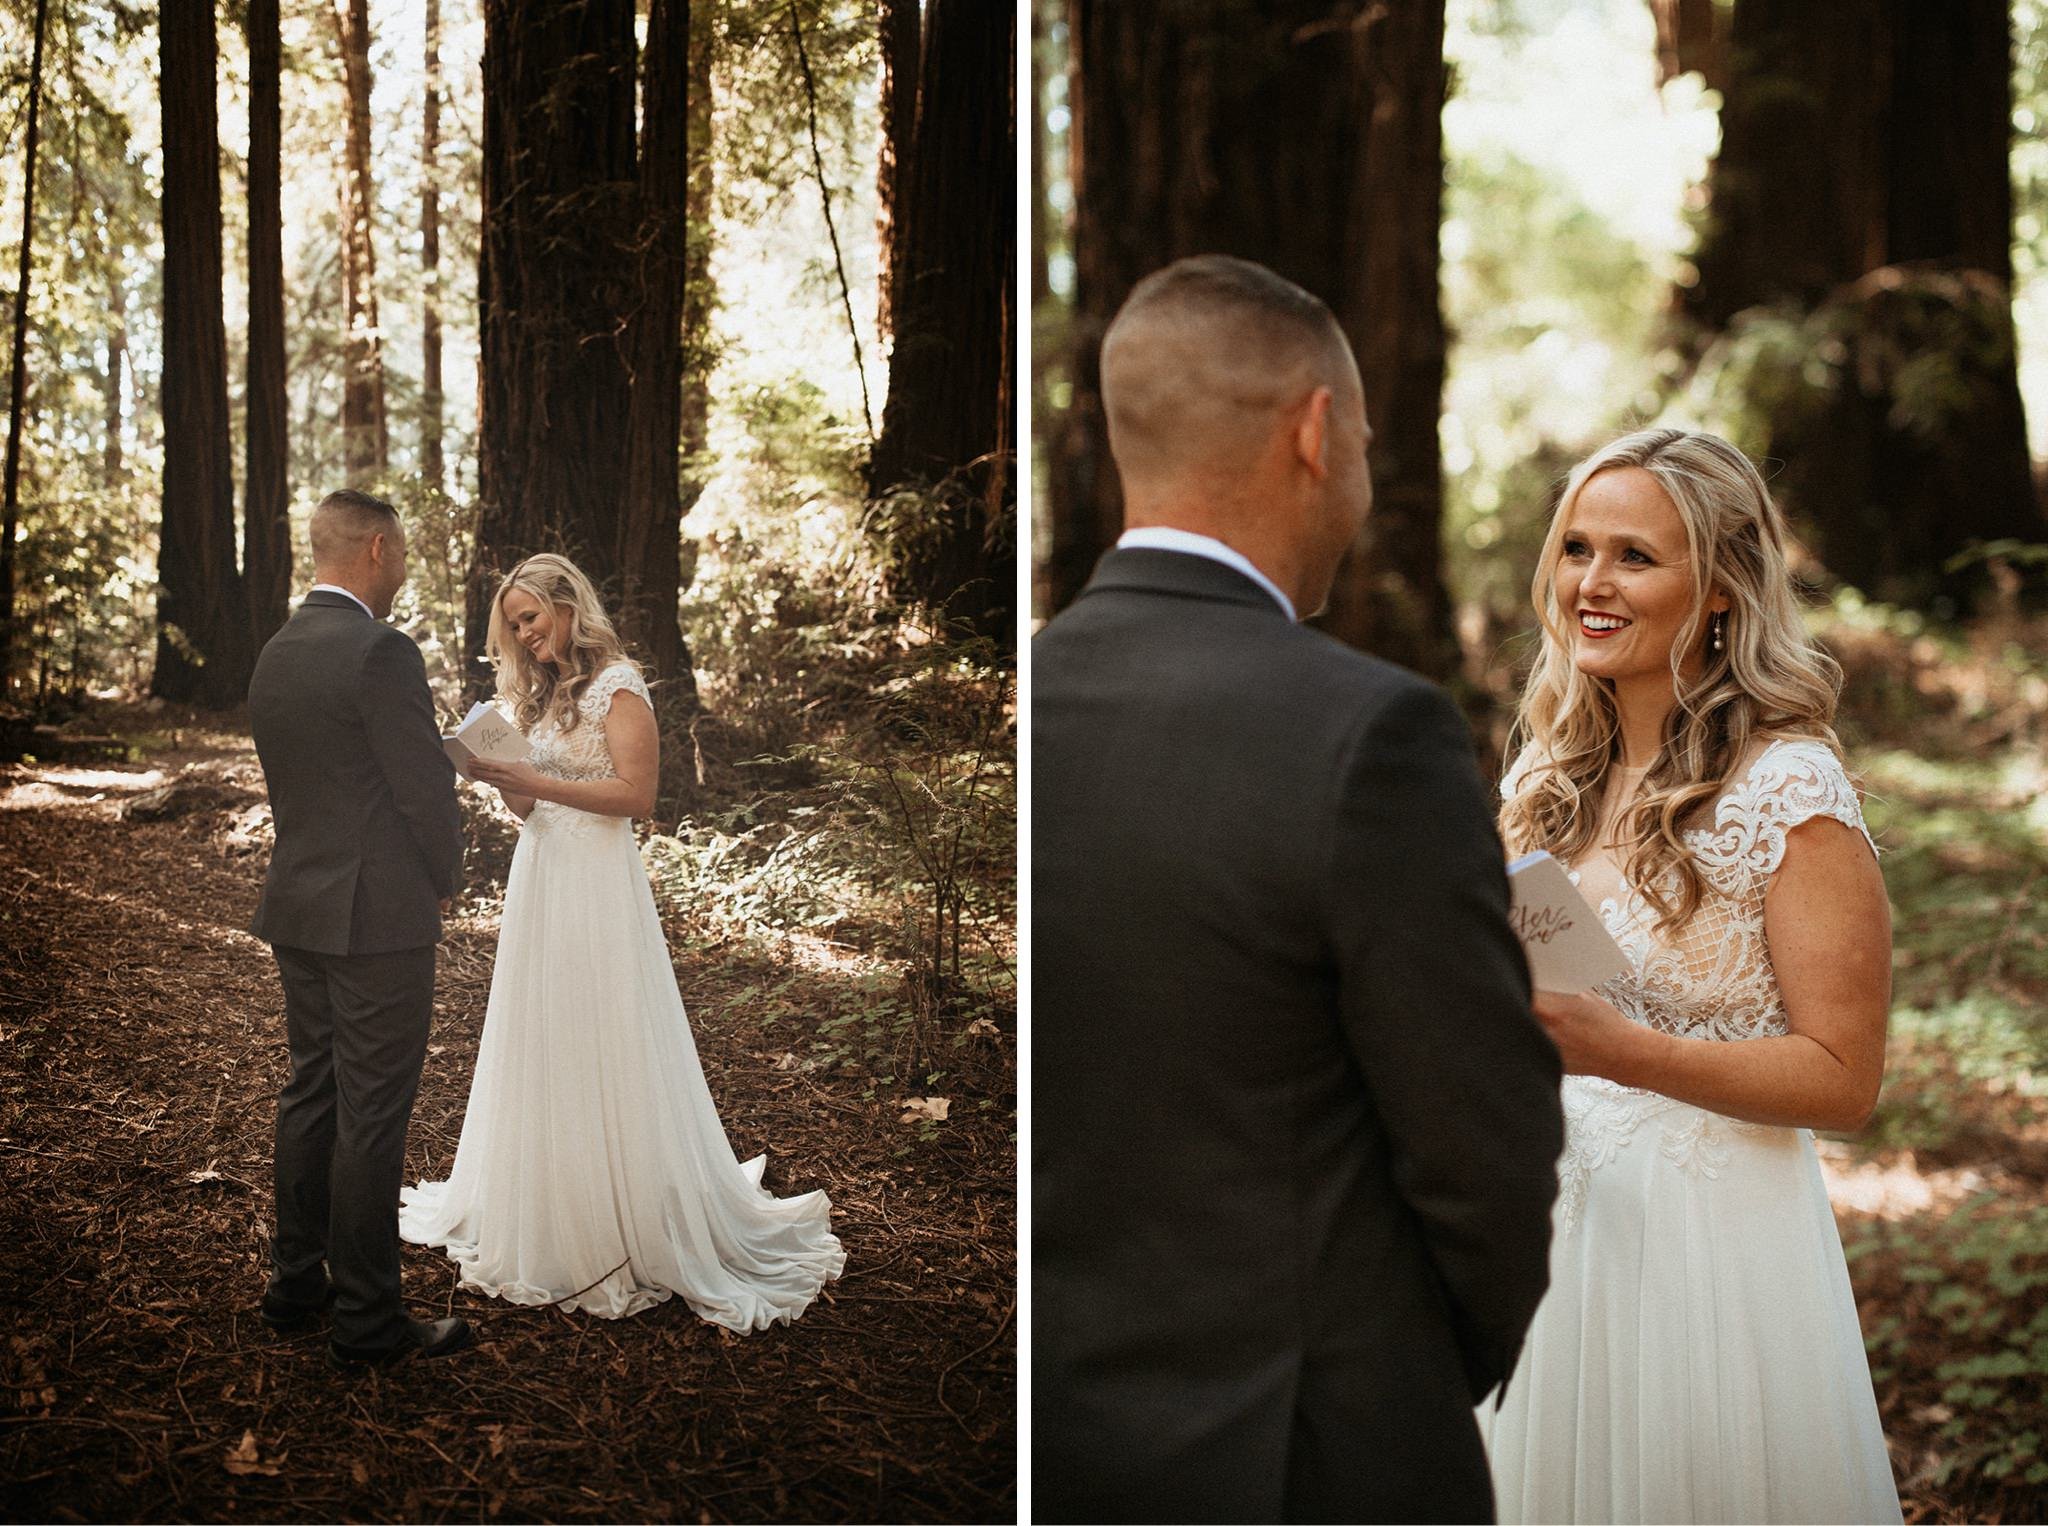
column 593, row 1172
column 1697, row 1357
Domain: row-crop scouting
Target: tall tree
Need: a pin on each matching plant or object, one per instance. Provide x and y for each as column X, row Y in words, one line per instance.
column 202, row 653
column 651, row 514
column 18, row 370
column 561, row 201
column 1862, row 188
column 433, row 466
column 902, row 38
column 944, row 433
column 700, row 351
column 266, row 523
column 365, row 429
column 1306, row 135
column 113, row 381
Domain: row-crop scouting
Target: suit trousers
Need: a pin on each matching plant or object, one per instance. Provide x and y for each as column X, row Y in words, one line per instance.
column 357, row 1025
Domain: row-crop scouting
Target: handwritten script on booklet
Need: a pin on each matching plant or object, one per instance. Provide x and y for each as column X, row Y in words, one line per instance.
column 1568, row 948
column 485, row 733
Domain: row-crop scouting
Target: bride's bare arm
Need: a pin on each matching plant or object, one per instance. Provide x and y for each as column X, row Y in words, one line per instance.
column 1828, row 925
column 635, row 743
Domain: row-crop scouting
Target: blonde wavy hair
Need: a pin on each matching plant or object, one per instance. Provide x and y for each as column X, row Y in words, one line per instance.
column 583, row 631
column 1769, row 681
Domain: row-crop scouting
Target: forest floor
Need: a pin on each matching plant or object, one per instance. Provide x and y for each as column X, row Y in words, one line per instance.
column 141, row 1049
column 1943, row 1199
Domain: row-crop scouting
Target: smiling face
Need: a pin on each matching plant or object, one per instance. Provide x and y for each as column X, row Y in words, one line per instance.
column 534, row 624
column 1623, row 579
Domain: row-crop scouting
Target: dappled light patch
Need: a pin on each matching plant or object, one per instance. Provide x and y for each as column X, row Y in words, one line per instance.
column 141, row 1047
column 1943, row 1199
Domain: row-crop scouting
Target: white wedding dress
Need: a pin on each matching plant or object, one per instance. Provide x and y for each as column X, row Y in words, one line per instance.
column 1697, row 1356
column 593, row 1171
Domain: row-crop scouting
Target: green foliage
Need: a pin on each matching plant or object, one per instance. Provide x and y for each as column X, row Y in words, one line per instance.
column 1919, row 340
column 1971, row 1285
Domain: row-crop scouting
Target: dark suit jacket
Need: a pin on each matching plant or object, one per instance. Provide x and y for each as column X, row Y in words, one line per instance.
column 1294, row 1127
column 369, row 834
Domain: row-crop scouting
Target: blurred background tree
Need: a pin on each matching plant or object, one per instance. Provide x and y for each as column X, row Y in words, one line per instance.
column 1819, row 230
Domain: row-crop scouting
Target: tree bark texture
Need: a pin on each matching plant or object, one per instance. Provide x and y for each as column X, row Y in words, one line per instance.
column 114, row 384
column 202, row 652
column 902, row 41
column 17, row 389
column 1863, row 190
column 1305, row 135
column 700, row 353
column 651, row 515
column 365, row 429
column 266, row 521
column 561, row 207
column 943, row 432
column 433, row 465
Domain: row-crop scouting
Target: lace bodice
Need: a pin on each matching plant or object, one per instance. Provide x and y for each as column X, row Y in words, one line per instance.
column 1713, row 978
column 582, row 753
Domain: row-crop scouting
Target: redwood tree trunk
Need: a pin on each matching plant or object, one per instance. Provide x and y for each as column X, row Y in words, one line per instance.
column 432, row 426
column 202, row 653
column 1692, row 37
column 1863, row 189
column 651, row 517
column 561, row 204
column 266, row 523
column 699, row 296
column 114, row 386
column 10, row 485
column 365, row 431
column 902, row 40
column 1306, row 135
column 943, row 432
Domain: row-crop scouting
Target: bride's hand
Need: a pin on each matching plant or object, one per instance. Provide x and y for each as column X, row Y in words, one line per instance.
column 1592, row 1036
column 510, row 778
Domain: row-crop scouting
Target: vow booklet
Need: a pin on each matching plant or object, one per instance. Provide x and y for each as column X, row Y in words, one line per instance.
column 1569, row 950
column 485, row 733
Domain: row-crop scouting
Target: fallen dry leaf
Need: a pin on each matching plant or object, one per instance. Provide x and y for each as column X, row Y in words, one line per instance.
column 920, row 1109
column 244, row 1459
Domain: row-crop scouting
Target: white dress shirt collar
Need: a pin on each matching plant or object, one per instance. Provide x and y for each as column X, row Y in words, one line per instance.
column 1165, row 538
column 331, row 588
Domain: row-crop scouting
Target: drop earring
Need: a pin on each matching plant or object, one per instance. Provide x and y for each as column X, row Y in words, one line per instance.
column 1719, row 627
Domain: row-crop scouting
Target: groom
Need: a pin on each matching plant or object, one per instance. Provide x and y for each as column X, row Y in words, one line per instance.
column 1294, row 1124
column 369, row 842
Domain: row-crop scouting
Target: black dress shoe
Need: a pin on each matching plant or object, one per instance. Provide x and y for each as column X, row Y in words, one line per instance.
column 444, row 1337
column 283, row 1314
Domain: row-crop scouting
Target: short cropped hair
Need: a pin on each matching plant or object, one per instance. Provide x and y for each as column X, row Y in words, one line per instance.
column 1204, row 351
column 1244, row 296
column 344, row 520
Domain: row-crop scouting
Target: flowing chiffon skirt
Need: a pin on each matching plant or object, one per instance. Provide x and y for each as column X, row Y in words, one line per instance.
column 1698, row 1356
column 593, row 1171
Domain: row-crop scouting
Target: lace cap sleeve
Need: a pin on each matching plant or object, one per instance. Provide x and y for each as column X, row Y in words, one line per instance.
column 597, row 699
column 1792, row 781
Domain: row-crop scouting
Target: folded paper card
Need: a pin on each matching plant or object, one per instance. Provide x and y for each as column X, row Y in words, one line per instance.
column 485, row 733
column 1568, row 948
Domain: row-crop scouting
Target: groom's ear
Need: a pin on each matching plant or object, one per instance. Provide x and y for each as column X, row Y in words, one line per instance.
column 1312, row 433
